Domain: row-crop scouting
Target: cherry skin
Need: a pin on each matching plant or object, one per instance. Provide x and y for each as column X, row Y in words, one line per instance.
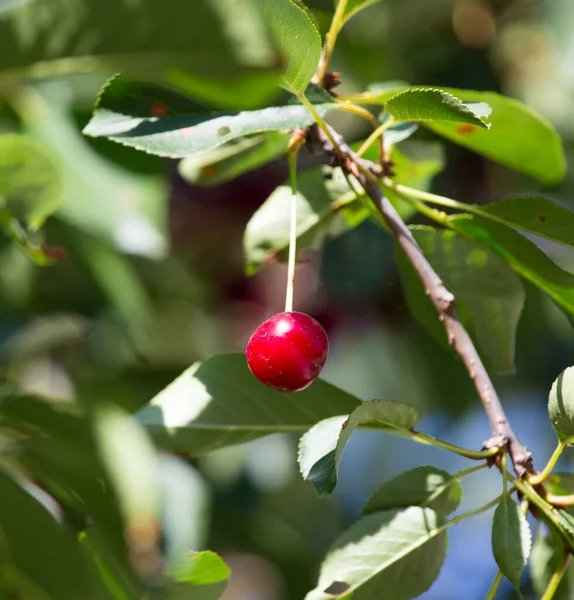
column 288, row 351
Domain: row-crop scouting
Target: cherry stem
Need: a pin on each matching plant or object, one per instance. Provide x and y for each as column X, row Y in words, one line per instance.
column 292, row 161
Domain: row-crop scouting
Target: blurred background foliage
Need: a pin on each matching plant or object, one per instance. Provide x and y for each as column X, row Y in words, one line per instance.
column 154, row 281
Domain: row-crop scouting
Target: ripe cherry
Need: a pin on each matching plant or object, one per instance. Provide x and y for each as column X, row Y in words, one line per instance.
column 288, row 351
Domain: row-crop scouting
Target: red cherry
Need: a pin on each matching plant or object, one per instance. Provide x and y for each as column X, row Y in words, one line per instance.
column 288, row 351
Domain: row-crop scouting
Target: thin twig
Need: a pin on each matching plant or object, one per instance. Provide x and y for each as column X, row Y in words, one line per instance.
column 367, row 174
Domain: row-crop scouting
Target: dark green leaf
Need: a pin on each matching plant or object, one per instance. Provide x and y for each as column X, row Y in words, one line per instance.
column 297, row 39
column 424, row 486
column 201, row 410
column 219, row 51
column 511, row 540
column 522, row 256
column 519, row 137
column 548, row 553
column 31, row 185
column 201, row 575
column 127, row 113
column 489, row 295
column 316, row 454
column 395, row 555
column 231, row 160
column 429, row 105
column 535, row 215
column 41, row 550
column 561, row 404
column 321, row 448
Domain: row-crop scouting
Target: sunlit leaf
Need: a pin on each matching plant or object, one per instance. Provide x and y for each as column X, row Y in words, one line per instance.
column 201, row 410
column 429, row 105
column 321, row 448
column 394, row 554
column 128, row 112
column 297, row 38
column 561, row 404
column 201, row 575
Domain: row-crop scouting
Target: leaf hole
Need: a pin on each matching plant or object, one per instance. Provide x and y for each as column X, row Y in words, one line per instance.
column 337, row 588
column 223, row 130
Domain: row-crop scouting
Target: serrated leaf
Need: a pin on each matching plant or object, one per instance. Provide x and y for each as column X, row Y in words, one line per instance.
column 297, row 38
column 561, row 404
column 31, row 185
column 42, row 551
column 519, row 137
column 321, row 448
column 548, row 552
column 429, row 105
column 201, row 410
column 231, row 160
column 316, row 454
column 159, row 121
column 522, row 256
column 234, row 65
column 535, row 215
column 489, row 295
column 201, row 575
column 511, row 540
column 423, row 486
column 395, row 554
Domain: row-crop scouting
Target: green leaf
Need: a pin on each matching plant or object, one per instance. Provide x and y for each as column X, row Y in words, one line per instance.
column 201, row 575
column 127, row 111
column 429, row 105
column 41, row 550
column 561, row 404
column 560, row 483
column 511, row 540
column 355, row 6
column 102, row 199
column 535, row 215
column 548, row 553
column 235, row 64
column 31, row 185
column 231, row 160
column 325, row 209
column 424, row 486
column 519, row 137
column 522, row 256
column 395, row 554
column 297, row 38
column 316, row 454
column 201, row 410
column 321, row 448
column 489, row 295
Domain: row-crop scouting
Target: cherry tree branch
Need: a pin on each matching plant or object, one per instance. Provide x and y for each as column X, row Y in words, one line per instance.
column 367, row 174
